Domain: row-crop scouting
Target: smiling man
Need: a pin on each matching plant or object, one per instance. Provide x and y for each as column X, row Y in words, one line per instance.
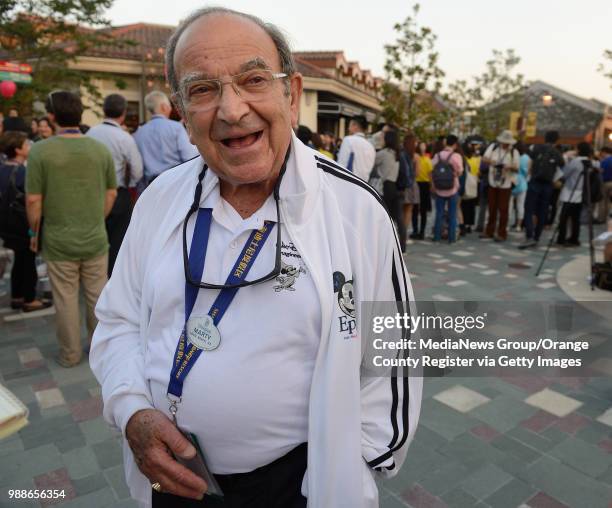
column 229, row 345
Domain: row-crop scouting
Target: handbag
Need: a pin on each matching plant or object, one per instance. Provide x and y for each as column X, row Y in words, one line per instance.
column 471, row 186
column 376, row 181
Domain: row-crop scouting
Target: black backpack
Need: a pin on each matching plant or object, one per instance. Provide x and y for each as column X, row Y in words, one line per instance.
column 405, row 177
column 13, row 218
column 594, row 182
column 545, row 163
column 443, row 175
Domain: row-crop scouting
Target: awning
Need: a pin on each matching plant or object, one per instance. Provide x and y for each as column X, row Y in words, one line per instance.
column 340, row 108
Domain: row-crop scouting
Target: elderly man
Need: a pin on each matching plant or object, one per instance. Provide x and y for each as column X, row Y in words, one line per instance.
column 233, row 310
column 163, row 143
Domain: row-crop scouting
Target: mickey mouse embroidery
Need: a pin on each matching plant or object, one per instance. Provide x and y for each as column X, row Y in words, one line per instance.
column 287, row 277
column 346, row 296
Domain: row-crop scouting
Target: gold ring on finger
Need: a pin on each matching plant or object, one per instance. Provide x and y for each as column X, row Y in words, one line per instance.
column 156, row 487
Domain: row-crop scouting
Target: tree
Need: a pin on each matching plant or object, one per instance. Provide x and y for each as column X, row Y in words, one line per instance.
column 413, row 76
column 499, row 91
column 50, row 35
column 603, row 67
column 461, row 99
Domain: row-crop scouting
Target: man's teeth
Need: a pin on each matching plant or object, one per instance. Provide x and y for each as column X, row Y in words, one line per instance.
column 247, row 140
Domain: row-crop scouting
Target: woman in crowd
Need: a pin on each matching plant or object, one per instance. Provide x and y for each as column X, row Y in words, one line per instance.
column 520, row 189
column 386, row 164
column 409, row 166
column 14, row 225
column 317, row 142
column 469, row 197
column 423, row 179
column 45, row 129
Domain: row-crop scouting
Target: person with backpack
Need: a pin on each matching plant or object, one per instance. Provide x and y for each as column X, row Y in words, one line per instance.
column 546, row 161
column 14, row 227
column 447, row 168
column 573, row 194
column 503, row 160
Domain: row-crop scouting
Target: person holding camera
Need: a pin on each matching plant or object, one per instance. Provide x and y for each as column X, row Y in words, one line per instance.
column 503, row 160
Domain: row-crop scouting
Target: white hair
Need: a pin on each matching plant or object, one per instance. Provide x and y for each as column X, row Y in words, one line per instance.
column 153, row 100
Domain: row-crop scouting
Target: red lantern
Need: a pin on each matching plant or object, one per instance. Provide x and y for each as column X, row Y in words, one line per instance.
column 8, row 89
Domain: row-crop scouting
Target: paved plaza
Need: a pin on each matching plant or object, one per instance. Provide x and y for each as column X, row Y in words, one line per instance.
column 482, row 442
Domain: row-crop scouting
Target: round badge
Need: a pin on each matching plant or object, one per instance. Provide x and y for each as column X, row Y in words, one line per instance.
column 202, row 333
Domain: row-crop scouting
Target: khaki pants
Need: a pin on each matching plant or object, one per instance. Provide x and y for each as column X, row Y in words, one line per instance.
column 65, row 277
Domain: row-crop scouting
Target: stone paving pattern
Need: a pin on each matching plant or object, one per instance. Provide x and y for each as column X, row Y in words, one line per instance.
column 481, row 442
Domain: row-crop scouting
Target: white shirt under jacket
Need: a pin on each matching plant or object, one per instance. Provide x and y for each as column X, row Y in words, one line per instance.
column 358, row 426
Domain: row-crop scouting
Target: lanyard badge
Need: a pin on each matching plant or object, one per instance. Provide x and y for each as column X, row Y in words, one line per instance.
column 202, row 333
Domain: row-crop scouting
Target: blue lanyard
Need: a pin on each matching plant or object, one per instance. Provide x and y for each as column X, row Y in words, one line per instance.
column 187, row 354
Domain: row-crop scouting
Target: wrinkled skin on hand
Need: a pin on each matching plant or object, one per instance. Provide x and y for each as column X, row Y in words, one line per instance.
column 154, row 439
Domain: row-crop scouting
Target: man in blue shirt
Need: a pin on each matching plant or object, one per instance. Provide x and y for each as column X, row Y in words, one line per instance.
column 606, row 170
column 163, row 143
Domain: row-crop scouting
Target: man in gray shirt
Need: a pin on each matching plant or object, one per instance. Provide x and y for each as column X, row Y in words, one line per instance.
column 128, row 168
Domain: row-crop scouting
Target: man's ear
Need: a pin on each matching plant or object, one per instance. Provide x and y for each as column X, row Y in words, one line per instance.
column 297, row 87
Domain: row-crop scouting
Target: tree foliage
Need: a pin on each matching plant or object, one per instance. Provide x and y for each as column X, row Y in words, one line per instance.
column 413, row 76
column 606, row 68
column 499, row 91
column 50, row 35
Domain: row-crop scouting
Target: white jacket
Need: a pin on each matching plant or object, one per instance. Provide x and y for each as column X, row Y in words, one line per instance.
column 359, row 427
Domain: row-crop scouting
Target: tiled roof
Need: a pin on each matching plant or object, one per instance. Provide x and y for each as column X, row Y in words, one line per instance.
column 310, row 70
column 318, row 55
column 150, row 40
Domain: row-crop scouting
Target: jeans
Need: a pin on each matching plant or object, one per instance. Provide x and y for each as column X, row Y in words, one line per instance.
column 536, row 203
column 452, row 216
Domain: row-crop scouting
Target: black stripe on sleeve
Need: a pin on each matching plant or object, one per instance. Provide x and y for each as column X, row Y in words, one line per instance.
column 342, row 173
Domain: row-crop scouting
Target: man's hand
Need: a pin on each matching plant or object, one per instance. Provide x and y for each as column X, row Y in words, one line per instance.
column 34, row 244
column 152, row 438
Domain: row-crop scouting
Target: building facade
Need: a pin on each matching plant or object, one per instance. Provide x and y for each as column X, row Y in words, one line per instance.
column 334, row 89
column 577, row 119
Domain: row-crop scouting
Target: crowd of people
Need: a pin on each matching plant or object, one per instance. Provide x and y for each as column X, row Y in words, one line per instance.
column 77, row 219
column 474, row 186
column 469, row 186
